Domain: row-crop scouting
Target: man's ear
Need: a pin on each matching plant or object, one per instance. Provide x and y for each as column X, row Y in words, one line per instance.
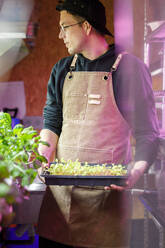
column 87, row 27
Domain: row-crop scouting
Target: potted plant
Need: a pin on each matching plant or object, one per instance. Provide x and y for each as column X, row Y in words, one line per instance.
column 19, row 161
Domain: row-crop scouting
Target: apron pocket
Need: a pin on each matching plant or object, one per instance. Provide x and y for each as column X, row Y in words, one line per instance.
column 75, row 108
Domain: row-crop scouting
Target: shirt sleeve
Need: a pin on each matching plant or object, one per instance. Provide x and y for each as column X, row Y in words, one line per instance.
column 135, row 99
column 53, row 108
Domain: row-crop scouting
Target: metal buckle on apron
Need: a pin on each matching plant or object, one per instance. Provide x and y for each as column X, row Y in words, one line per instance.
column 106, row 77
column 70, row 72
column 72, row 67
column 113, row 69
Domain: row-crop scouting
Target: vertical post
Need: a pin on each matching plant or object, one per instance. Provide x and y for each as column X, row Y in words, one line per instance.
column 146, row 217
column 146, row 61
column 146, row 44
column 163, row 86
column 147, row 53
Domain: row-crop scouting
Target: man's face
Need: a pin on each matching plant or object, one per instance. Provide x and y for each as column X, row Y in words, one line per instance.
column 74, row 36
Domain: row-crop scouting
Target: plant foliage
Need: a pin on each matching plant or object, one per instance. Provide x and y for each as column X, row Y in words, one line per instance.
column 19, row 160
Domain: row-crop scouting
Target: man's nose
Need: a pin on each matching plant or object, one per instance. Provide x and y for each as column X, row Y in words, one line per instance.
column 61, row 34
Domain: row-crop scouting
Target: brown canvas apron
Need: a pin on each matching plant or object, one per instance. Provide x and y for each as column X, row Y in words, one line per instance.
column 93, row 131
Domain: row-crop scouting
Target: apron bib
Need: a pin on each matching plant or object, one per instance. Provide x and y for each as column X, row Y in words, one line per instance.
column 93, row 131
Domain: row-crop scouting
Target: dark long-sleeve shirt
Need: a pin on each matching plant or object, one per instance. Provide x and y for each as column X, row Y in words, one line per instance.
column 133, row 93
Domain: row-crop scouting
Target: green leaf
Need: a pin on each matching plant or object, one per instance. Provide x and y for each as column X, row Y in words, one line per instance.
column 29, row 130
column 4, row 173
column 25, row 180
column 5, row 116
column 29, row 177
column 10, row 199
column 22, row 155
column 41, row 159
column 44, row 143
column 18, row 129
column 4, row 189
column 5, row 120
column 15, row 173
column 36, row 164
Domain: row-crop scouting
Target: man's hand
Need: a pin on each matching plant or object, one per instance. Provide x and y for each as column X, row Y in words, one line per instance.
column 48, row 152
column 136, row 172
column 40, row 170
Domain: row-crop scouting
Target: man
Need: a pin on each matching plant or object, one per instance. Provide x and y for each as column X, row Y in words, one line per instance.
column 97, row 97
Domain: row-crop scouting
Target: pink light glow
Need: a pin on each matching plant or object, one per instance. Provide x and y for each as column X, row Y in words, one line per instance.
column 123, row 23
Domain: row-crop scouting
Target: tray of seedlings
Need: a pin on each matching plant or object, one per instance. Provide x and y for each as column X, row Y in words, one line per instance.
column 84, row 174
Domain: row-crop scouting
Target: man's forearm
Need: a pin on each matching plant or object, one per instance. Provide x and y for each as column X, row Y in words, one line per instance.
column 51, row 138
column 137, row 171
column 141, row 166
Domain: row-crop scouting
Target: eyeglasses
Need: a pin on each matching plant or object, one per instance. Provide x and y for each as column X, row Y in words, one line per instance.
column 63, row 28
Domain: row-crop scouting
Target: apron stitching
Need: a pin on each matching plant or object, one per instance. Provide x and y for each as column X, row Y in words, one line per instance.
column 89, row 148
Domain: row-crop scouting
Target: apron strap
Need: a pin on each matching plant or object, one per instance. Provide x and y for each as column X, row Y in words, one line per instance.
column 115, row 65
column 113, row 68
column 73, row 64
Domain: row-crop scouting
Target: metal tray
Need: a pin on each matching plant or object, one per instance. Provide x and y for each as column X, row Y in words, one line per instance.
column 84, row 180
